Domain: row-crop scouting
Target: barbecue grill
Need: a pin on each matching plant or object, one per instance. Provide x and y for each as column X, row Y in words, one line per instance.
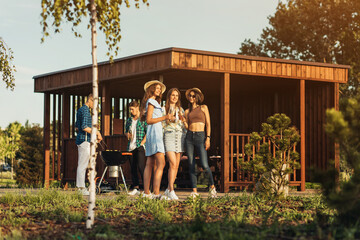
column 113, row 159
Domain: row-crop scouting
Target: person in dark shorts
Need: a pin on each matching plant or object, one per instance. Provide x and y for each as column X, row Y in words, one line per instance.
column 135, row 130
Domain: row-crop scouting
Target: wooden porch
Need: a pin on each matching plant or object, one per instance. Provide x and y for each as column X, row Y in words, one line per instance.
column 241, row 92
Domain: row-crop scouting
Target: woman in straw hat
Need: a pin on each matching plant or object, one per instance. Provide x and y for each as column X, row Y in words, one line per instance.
column 174, row 136
column 197, row 120
column 154, row 146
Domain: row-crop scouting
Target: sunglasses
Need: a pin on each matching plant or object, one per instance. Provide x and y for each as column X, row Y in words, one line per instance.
column 192, row 95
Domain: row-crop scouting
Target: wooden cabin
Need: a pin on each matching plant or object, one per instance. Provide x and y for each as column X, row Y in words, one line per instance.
column 240, row 91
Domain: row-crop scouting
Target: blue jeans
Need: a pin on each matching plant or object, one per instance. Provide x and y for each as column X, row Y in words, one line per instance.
column 196, row 141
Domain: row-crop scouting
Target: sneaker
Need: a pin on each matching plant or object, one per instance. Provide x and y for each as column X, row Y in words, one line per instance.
column 194, row 195
column 134, row 192
column 213, row 193
column 172, row 195
column 162, row 197
column 83, row 191
column 149, row 196
column 166, row 193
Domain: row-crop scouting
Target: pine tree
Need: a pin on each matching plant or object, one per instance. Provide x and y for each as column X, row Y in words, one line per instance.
column 344, row 128
column 29, row 171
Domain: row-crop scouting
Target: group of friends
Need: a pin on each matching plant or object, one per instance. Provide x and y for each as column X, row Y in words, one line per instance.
column 154, row 131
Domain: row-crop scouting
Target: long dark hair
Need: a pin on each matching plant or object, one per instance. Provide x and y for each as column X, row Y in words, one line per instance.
column 150, row 91
column 197, row 100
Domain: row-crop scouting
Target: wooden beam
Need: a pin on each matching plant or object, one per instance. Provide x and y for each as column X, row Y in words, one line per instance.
column 302, row 133
column 73, row 117
column 53, row 136
column 65, row 129
column 59, row 139
column 225, row 129
column 105, row 110
column 116, row 108
column 65, row 116
column 337, row 150
column 46, row 139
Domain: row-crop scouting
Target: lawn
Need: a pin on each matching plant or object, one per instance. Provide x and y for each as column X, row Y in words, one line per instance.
column 55, row 214
column 6, row 181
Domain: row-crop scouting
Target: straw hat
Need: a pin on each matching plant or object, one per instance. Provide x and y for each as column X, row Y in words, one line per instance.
column 187, row 93
column 149, row 83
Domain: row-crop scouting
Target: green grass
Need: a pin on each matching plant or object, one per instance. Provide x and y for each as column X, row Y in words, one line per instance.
column 56, row 214
column 6, row 181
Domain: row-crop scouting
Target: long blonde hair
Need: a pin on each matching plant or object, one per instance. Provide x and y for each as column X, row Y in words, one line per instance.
column 150, row 91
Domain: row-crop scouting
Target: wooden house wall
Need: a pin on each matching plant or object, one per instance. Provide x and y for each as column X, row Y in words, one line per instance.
column 319, row 148
column 209, row 61
column 251, row 104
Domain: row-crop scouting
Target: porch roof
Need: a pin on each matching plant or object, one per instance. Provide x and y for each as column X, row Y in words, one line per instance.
column 175, row 61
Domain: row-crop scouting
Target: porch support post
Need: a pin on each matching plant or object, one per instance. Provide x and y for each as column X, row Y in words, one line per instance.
column 225, row 129
column 106, row 110
column 302, row 133
column 65, row 130
column 53, row 137
column 46, row 139
column 337, row 151
column 59, row 139
column 116, row 108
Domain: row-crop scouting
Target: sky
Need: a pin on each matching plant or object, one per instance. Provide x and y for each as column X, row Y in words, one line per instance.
column 209, row 25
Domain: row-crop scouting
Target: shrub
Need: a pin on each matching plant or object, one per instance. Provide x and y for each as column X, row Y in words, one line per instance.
column 275, row 156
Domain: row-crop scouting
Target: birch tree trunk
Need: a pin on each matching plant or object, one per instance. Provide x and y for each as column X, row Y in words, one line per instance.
column 93, row 154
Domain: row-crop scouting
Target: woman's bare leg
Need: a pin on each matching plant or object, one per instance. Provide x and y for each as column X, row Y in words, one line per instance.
column 171, row 156
column 174, row 161
column 150, row 162
column 159, row 167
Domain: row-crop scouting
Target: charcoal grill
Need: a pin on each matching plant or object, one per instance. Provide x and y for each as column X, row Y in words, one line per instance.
column 113, row 158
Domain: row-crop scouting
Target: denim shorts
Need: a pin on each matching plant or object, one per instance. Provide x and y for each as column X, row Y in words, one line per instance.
column 174, row 141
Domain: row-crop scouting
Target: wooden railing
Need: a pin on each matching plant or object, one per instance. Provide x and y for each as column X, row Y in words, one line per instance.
column 70, row 157
column 239, row 177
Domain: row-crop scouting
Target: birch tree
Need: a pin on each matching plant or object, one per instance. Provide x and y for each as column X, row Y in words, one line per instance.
column 106, row 13
column 7, row 68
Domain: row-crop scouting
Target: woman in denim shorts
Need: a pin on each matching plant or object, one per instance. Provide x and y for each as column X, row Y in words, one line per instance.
column 174, row 136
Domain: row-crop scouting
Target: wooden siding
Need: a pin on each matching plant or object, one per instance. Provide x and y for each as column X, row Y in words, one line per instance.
column 253, row 100
column 238, row 64
column 147, row 64
column 127, row 67
column 319, row 148
column 249, row 107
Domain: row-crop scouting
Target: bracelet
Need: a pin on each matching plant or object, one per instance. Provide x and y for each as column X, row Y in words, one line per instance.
column 208, row 136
